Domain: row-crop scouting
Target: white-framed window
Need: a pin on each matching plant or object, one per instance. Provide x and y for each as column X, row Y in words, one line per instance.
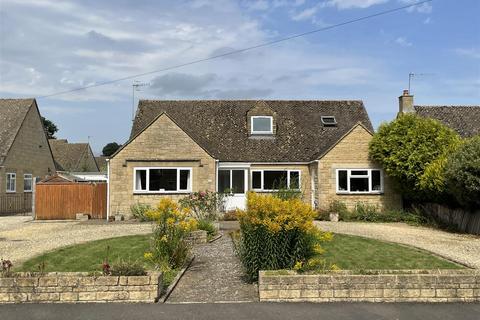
column 231, row 180
column 271, row 180
column 27, row 182
column 261, row 125
column 359, row 181
column 11, row 182
column 162, row 180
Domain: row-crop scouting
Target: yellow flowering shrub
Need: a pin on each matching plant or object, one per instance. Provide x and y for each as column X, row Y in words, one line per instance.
column 277, row 234
column 172, row 226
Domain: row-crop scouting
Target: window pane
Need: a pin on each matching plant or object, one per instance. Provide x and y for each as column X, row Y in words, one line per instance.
column 238, row 181
column 257, row 180
column 359, row 184
column 223, row 180
column 141, row 180
column 27, row 182
column 165, row 179
column 274, row 180
column 11, row 181
column 359, row 172
column 376, row 180
column 184, row 179
column 294, row 180
column 342, row 180
column 262, row 124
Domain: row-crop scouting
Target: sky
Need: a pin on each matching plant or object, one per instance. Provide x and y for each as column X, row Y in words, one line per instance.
column 49, row 46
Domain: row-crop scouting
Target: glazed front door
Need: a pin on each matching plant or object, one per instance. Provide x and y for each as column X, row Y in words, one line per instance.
column 233, row 181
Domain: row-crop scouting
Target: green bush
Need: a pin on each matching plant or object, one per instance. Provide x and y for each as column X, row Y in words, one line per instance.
column 205, row 205
column 208, row 227
column 365, row 212
column 462, row 173
column 139, row 211
column 339, row 207
column 407, row 146
column 276, row 234
column 128, row 268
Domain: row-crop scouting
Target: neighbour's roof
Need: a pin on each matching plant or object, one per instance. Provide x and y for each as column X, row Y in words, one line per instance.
column 220, row 126
column 101, row 163
column 12, row 114
column 463, row 119
column 72, row 156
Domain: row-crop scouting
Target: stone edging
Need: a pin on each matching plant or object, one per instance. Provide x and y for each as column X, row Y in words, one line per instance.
column 175, row 281
column 79, row 287
column 372, row 286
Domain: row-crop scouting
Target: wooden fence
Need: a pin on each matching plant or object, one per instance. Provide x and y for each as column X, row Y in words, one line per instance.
column 60, row 201
column 15, row 203
column 462, row 220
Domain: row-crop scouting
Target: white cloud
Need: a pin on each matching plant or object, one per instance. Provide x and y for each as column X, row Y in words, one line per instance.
column 402, row 41
column 305, row 14
column 425, row 7
column 350, row 4
column 468, row 52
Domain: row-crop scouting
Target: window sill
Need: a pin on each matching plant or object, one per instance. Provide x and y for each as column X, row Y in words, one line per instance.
column 10, row 191
column 158, row 192
column 359, row 193
column 271, row 191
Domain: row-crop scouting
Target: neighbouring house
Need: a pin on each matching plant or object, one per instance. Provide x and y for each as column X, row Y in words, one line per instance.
column 465, row 120
column 319, row 147
column 73, row 157
column 101, row 163
column 25, row 154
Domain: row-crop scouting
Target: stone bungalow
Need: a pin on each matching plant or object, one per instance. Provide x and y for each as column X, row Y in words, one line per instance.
column 319, row 147
column 73, row 157
column 25, row 154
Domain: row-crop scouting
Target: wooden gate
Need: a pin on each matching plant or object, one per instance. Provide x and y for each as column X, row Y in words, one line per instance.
column 59, row 201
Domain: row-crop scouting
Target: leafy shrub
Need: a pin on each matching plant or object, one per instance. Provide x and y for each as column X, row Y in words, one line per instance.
column 462, row 173
column 128, row 268
column 276, row 234
column 322, row 215
column 365, row 212
column 285, row 193
column 205, row 205
column 6, row 267
column 172, row 226
column 208, row 227
column 339, row 207
column 406, row 146
column 139, row 211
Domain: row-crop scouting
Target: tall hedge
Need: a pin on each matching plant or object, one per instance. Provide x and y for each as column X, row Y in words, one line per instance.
column 462, row 173
column 407, row 146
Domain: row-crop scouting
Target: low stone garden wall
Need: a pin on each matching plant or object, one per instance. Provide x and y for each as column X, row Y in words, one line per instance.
column 399, row 286
column 79, row 287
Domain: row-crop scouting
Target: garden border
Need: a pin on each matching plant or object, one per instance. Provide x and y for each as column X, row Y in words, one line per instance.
column 371, row 286
column 163, row 298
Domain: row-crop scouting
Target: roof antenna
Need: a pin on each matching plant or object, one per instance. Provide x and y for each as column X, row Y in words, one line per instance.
column 136, row 87
column 411, row 75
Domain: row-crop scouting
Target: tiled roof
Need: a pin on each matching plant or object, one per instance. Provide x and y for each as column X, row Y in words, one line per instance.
column 463, row 119
column 12, row 113
column 101, row 163
column 220, row 126
column 72, row 157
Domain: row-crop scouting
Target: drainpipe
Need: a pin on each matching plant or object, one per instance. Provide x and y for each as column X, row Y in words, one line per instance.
column 108, row 189
column 216, row 173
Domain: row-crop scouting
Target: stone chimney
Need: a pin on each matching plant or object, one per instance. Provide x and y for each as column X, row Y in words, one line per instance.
column 405, row 102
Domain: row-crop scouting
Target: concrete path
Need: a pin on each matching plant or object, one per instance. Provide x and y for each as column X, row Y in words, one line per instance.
column 214, row 276
column 462, row 248
column 242, row 311
column 22, row 238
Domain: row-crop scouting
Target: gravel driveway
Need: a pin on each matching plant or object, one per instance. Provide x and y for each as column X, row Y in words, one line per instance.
column 461, row 248
column 22, row 238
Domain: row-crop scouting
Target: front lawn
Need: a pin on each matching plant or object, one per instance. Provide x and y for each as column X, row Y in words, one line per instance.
column 347, row 252
column 355, row 253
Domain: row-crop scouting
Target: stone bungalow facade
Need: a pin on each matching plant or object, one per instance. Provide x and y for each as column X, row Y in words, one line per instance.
column 319, row 147
column 24, row 153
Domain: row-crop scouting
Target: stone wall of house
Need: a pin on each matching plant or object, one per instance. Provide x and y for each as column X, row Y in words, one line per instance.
column 433, row 286
column 79, row 287
column 305, row 177
column 162, row 144
column 29, row 154
column 350, row 153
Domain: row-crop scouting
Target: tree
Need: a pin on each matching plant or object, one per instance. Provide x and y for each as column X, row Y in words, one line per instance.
column 110, row 148
column 462, row 173
column 407, row 146
column 50, row 128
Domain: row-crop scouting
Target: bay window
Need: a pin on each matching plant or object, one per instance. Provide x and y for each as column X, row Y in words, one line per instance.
column 162, row 180
column 271, row 180
column 359, row 181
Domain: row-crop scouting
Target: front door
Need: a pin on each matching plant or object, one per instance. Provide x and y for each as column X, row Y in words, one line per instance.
column 233, row 181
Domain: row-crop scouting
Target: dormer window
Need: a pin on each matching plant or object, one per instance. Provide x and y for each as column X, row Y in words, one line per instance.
column 329, row 121
column 261, row 125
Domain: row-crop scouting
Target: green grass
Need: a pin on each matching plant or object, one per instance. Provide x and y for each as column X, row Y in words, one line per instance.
column 355, row 253
column 347, row 252
column 88, row 257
